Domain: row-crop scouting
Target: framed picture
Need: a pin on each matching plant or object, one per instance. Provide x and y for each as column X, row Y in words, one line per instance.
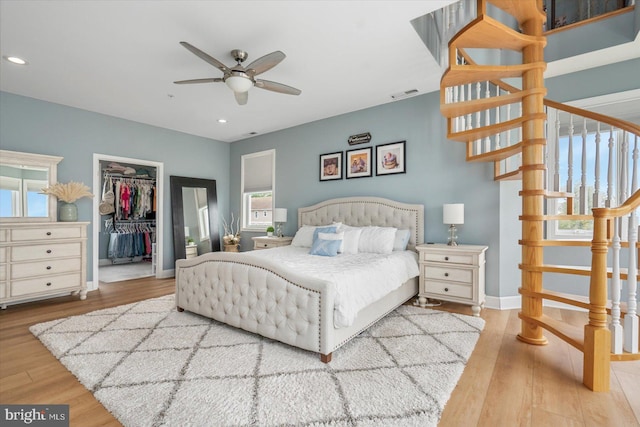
column 390, row 158
column 331, row 166
column 358, row 163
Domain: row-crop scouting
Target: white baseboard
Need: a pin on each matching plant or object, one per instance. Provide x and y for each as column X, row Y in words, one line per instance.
column 165, row 274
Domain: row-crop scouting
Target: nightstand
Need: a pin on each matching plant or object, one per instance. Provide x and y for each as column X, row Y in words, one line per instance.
column 191, row 251
column 266, row 242
column 452, row 273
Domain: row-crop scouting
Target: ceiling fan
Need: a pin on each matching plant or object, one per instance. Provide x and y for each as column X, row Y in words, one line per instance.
column 240, row 79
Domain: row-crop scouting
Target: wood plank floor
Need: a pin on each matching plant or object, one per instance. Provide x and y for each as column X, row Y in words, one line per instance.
column 505, row 383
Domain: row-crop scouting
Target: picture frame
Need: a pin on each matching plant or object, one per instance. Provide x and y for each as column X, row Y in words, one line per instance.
column 390, row 158
column 331, row 166
column 358, row 163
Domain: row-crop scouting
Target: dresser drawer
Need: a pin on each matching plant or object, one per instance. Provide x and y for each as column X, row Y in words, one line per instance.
column 443, row 257
column 45, row 284
column 449, row 289
column 47, row 251
column 41, row 268
column 448, row 274
column 45, row 233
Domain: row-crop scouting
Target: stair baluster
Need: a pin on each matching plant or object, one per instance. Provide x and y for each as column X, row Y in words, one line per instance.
column 569, row 188
column 610, row 167
column 616, row 291
column 583, row 171
column 596, row 188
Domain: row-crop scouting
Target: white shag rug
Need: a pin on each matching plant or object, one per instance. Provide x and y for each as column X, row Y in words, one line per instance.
column 151, row 365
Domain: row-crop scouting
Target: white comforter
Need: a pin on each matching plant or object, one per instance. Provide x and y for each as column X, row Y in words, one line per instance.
column 359, row 279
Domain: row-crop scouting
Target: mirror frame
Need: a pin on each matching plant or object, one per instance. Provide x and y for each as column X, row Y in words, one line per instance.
column 16, row 158
column 177, row 184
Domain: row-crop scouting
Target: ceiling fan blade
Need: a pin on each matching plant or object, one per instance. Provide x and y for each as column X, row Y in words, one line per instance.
column 209, row 80
column 277, row 87
column 208, row 58
column 241, row 97
column 265, row 63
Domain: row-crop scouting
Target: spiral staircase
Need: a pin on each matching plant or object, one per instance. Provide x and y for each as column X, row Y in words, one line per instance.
column 509, row 126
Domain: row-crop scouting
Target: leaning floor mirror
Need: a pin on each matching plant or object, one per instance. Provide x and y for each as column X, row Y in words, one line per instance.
column 194, row 209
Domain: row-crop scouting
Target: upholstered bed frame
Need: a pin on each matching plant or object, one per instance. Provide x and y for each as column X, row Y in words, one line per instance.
column 257, row 295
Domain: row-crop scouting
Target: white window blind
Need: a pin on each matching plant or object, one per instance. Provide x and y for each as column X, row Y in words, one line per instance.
column 258, row 172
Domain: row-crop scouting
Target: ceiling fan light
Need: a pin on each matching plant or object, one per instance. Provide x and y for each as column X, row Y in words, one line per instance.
column 238, row 83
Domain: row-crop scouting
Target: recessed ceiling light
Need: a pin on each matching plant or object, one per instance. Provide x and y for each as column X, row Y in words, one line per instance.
column 15, row 60
column 222, row 120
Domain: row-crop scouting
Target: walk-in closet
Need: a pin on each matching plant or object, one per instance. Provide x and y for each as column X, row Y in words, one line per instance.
column 128, row 207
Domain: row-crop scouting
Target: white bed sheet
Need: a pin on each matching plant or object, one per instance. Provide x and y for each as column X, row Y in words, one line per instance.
column 359, row 279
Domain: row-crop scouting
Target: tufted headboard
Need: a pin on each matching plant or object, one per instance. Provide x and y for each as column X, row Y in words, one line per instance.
column 363, row 211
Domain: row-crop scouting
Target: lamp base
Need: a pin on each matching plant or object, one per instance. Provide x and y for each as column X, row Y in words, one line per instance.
column 279, row 229
column 452, row 236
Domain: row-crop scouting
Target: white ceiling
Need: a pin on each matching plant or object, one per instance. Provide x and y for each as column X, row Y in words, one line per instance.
column 120, row 58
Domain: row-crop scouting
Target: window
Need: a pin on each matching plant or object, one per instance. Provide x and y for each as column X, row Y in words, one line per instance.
column 258, row 170
column 31, row 204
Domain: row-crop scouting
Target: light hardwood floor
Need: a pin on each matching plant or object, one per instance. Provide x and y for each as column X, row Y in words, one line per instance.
column 505, row 383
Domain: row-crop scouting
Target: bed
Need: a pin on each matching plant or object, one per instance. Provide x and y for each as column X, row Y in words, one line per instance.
column 259, row 294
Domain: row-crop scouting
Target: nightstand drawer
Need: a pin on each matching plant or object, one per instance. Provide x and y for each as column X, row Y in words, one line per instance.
column 265, row 245
column 449, row 274
column 452, row 258
column 449, row 289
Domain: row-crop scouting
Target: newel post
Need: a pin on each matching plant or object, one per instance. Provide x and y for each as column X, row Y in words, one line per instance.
column 597, row 337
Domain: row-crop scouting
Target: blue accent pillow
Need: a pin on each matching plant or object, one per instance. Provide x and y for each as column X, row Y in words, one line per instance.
column 325, row 247
column 327, row 229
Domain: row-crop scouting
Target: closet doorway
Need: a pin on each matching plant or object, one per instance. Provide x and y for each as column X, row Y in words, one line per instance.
column 127, row 219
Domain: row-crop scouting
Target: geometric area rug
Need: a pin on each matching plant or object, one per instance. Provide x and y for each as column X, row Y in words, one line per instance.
column 150, row 365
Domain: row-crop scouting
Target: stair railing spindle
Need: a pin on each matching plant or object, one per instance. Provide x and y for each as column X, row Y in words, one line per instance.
column 624, row 169
column 477, row 144
column 498, row 119
column 556, row 165
column 455, row 99
column 596, row 189
column 631, row 321
column 487, row 121
column 616, row 290
column 570, row 157
column 583, row 170
column 610, row 201
column 469, row 121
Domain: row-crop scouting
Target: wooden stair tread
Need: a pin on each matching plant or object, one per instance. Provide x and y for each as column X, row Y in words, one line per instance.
column 558, row 195
column 573, row 335
column 496, row 155
column 487, row 33
column 509, row 176
column 457, row 109
column 462, row 74
column 558, row 242
column 521, row 10
column 570, row 299
column 486, row 131
column 559, row 217
column 578, row 270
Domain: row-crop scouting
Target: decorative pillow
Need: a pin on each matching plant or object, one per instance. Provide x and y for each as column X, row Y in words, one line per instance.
column 304, row 236
column 351, row 240
column 401, row 240
column 327, row 244
column 378, row 240
column 324, row 229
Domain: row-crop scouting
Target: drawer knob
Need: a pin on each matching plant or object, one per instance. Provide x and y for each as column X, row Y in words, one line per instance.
column 48, row 283
column 446, row 274
column 446, row 289
column 446, row 258
column 48, row 251
column 48, row 233
column 48, row 267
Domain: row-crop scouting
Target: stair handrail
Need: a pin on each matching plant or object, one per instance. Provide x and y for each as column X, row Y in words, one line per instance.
column 631, row 204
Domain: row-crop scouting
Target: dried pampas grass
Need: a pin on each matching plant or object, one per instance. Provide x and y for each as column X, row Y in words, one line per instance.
column 69, row 192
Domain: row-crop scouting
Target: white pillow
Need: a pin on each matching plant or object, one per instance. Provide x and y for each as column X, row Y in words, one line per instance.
column 378, row 240
column 351, row 240
column 401, row 240
column 304, row 236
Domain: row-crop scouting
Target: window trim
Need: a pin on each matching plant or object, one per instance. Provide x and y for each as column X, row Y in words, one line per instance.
column 243, row 196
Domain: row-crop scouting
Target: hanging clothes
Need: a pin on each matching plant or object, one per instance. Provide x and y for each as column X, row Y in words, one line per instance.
column 134, row 197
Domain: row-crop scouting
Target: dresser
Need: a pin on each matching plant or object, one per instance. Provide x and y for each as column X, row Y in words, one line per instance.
column 452, row 273
column 266, row 242
column 42, row 259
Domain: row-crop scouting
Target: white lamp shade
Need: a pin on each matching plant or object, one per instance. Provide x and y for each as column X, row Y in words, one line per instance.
column 280, row 215
column 238, row 83
column 453, row 213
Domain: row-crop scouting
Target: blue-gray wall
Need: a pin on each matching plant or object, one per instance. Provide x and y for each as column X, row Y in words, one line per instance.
column 35, row 126
column 436, row 171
